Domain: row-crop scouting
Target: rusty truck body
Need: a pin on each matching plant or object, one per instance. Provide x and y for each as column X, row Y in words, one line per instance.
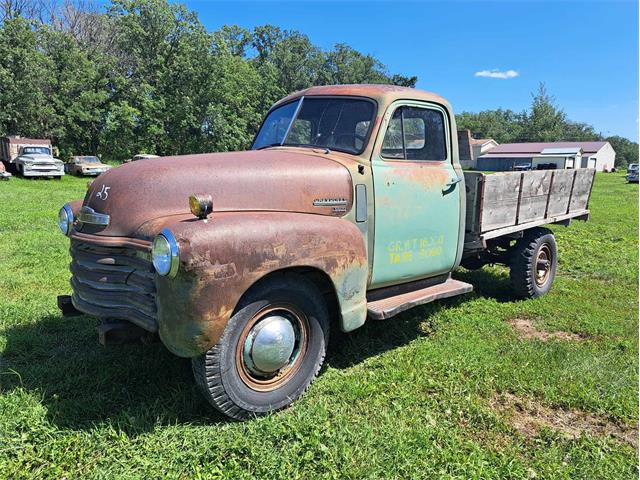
column 30, row 157
column 351, row 205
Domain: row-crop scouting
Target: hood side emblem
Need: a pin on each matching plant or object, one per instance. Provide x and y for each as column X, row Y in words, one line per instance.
column 329, row 202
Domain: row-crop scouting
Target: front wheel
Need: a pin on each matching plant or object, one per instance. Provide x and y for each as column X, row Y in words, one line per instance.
column 533, row 263
column 270, row 351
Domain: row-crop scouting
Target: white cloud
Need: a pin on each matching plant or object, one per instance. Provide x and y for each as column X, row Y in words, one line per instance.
column 495, row 73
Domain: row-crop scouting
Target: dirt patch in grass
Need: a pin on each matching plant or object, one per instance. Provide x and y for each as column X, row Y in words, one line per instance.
column 527, row 330
column 529, row 417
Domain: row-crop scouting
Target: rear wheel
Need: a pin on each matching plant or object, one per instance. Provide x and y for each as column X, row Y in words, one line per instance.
column 533, row 263
column 270, row 351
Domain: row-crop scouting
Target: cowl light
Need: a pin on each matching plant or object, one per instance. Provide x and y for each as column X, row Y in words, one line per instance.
column 201, row 205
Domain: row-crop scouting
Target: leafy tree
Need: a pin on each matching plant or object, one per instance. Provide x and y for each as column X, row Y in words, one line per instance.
column 504, row 126
column 626, row 150
column 25, row 82
column 146, row 76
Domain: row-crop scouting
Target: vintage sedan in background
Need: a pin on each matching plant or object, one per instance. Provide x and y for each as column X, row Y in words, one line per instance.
column 86, row 165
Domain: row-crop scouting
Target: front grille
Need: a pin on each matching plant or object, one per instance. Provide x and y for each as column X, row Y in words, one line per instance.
column 114, row 282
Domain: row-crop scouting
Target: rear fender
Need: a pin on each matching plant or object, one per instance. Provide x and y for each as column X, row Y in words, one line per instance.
column 222, row 257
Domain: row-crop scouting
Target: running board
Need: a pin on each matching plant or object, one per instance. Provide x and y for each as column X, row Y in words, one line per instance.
column 388, row 306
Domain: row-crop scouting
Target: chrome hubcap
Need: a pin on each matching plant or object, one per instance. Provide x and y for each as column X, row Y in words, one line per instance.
column 270, row 345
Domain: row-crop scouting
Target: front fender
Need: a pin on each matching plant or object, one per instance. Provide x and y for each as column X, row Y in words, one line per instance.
column 222, row 257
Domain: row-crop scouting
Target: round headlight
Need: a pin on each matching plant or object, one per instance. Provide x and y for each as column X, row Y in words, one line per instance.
column 65, row 219
column 164, row 254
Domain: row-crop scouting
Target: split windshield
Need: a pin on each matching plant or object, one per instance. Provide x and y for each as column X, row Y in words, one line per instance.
column 42, row 150
column 336, row 123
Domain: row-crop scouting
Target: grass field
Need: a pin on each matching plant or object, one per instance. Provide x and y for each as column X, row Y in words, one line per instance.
column 479, row 386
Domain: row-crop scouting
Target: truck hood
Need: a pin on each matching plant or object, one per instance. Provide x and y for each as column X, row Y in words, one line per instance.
column 142, row 197
column 38, row 158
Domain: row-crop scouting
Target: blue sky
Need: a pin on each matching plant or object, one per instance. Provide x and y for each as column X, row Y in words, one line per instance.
column 586, row 52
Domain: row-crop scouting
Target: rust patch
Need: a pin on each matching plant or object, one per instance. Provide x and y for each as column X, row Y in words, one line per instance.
column 427, row 176
column 529, row 418
column 219, row 265
column 237, row 181
column 526, row 330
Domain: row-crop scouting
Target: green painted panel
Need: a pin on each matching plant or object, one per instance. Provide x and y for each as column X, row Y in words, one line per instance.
column 417, row 216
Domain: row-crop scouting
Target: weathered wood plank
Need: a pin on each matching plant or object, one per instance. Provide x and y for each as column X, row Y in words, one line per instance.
column 499, row 206
column 560, row 192
column 581, row 189
column 534, row 195
column 472, row 181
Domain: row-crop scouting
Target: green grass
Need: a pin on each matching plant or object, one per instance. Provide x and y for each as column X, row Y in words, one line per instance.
column 405, row 398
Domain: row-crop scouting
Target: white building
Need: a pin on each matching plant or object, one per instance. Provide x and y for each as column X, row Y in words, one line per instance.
column 562, row 157
column 598, row 155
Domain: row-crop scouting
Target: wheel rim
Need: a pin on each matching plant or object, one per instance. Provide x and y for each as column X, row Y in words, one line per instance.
column 543, row 265
column 271, row 347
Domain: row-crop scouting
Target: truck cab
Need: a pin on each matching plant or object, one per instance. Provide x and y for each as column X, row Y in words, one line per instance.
column 350, row 205
column 38, row 161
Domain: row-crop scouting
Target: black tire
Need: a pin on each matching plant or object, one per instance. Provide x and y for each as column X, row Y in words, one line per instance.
column 533, row 263
column 221, row 373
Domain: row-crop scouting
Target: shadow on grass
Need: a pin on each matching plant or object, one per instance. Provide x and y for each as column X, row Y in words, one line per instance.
column 379, row 336
column 136, row 387
column 488, row 282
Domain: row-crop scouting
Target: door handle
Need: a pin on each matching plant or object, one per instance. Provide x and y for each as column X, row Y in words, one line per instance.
column 451, row 183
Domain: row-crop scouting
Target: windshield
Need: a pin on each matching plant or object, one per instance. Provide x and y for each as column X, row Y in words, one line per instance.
column 633, row 167
column 337, row 123
column 87, row 160
column 43, row 150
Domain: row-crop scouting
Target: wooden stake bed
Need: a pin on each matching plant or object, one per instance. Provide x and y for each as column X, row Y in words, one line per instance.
column 508, row 202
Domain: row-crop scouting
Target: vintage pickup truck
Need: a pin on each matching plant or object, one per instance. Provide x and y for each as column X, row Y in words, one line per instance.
column 30, row 157
column 351, row 204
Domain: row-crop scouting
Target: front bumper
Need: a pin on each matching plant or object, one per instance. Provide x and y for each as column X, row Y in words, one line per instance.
column 42, row 172
column 92, row 173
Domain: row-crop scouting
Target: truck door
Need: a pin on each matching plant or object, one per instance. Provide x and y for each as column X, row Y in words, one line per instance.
column 417, row 195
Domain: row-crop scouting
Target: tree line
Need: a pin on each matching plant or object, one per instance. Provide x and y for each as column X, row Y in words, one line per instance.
column 146, row 76
column 544, row 121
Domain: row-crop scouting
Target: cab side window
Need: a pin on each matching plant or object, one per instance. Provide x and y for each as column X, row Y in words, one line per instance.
column 415, row 134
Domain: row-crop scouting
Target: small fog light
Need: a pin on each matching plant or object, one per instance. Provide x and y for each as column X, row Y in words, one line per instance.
column 201, row 205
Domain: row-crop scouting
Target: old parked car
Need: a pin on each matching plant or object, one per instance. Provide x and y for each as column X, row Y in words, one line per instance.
column 30, row 157
column 632, row 173
column 141, row 156
column 244, row 262
column 86, row 165
column 4, row 175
